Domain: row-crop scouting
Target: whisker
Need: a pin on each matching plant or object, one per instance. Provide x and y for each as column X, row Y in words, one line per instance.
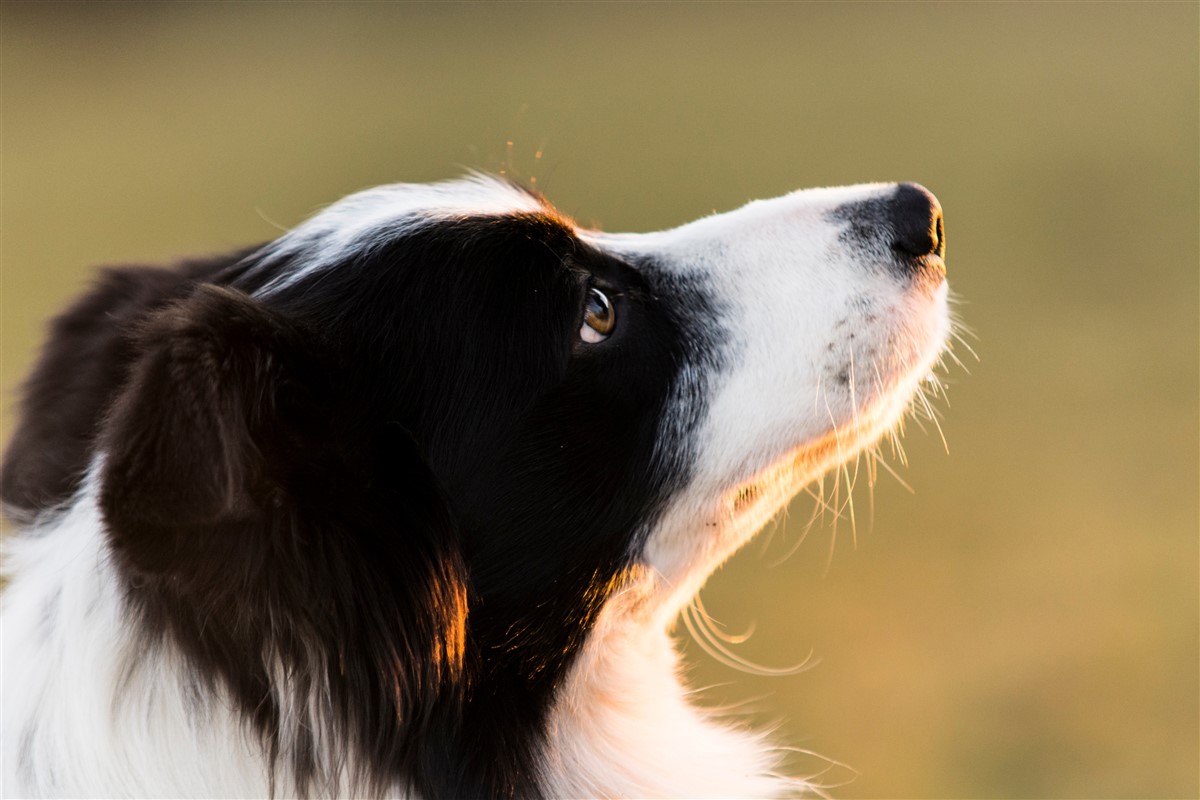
column 830, row 764
column 829, row 557
column 850, row 503
column 872, row 477
column 933, row 418
column 713, row 625
column 818, row 509
column 881, row 462
column 949, row 352
column 711, row 644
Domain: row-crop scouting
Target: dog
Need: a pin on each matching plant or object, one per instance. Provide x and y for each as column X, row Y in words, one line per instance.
column 405, row 502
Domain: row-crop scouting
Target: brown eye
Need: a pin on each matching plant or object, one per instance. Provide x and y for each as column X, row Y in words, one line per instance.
column 599, row 319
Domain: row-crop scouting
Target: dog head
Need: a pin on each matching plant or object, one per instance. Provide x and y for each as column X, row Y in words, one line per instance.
column 390, row 468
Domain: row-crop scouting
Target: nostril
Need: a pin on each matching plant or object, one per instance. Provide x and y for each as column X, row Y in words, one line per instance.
column 916, row 220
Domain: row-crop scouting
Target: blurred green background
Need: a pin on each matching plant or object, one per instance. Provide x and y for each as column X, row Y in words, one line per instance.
column 1026, row 623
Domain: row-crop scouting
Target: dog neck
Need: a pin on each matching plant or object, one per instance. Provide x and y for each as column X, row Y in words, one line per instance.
column 622, row 726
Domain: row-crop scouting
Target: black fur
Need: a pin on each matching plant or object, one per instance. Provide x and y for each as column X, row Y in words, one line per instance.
column 256, row 528
column 403, row 477
column 84, row 362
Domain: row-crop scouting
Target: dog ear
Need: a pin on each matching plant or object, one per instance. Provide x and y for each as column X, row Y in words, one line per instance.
column 243, row 495
column 219, row 386
column 79, row 370
column 230, row 422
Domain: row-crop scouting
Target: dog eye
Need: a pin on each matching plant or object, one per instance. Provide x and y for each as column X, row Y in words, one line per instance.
column 599, row 319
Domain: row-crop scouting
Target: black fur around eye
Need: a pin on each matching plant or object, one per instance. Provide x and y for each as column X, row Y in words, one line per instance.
column 599, row 318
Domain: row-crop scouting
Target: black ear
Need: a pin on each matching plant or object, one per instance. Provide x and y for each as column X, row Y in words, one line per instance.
column 80, row 369
column 260, row 515
column 222, row 390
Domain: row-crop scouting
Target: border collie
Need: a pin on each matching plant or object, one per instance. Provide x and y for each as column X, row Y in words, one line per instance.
column 405, row 502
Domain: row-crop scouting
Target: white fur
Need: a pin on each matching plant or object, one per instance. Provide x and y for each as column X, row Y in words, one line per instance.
column 98, row 715
column 624, row 725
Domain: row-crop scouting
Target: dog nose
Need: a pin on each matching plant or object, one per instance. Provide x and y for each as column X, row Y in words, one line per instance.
column 916, row 222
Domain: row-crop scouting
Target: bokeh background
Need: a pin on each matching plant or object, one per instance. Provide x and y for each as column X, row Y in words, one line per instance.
column 1025, row 622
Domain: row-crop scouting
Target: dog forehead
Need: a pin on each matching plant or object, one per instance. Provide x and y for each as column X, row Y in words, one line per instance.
column 363, row 221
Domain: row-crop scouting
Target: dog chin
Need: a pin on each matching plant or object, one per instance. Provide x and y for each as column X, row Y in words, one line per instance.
column 874, row 409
